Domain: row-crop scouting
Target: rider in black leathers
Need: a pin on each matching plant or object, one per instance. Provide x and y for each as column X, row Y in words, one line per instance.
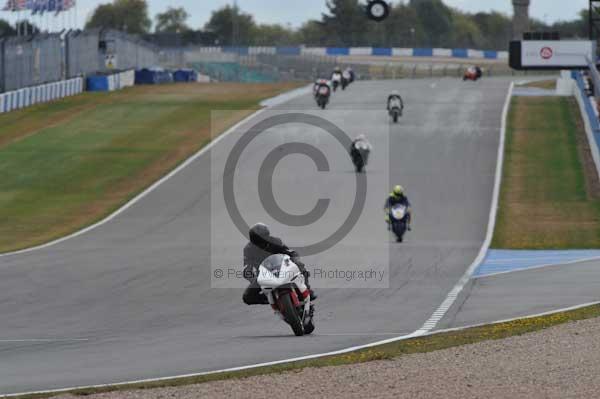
column 262, row 244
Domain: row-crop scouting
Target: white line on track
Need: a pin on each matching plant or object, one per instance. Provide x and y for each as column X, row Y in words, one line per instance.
column 451, row 298
column 42, row 340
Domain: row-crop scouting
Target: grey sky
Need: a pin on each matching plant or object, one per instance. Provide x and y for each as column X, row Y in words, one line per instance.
column 297, row 11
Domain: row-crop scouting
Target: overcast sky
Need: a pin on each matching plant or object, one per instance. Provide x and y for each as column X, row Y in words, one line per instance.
column 297, row 11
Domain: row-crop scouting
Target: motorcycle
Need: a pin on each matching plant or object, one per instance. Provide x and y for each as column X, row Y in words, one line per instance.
column 336, row 80
column 360, row 156
column 395, row 113
column 322, row 96
column 345, row 80
column 282, row 282
column 473, row 73
column 399, row 221
column 395, row 110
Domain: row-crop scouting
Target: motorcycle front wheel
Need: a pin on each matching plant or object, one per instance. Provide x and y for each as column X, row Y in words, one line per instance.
column 290, row 314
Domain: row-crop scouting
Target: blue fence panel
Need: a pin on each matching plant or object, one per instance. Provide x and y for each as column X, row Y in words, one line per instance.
column 287, row 50
column 338, row 51
column 97, row 83
column 490, row 54
column 460, row 53
column 385, row 51
column 422, row 52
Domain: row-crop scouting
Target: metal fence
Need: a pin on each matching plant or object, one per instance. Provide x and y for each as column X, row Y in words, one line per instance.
column 29, row 61
column 35, row 60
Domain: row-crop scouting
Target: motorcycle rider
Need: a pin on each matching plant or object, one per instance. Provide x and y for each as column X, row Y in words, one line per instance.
column 394, row 99
column 351, row 74
column 318, row 83
column 262, row 245
column 336, row 77
column 360, row 145
column 398, row 196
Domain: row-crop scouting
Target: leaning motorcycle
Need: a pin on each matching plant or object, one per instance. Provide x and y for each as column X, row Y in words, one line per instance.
column 399, row 220
column 282, row 282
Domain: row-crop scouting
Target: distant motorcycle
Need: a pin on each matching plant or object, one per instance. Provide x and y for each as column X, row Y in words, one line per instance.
column 322, row 95
column 395, row 110
column 336, row 80
column 282, row 282
column 346, row 79
column 399, row 221
column 473, row 73
column 360, row 156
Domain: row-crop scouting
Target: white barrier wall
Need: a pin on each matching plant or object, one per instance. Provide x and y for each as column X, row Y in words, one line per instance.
column 360, row 51
column 29, row 96
column 402, row 52
column 121, row 80
column 442, row 52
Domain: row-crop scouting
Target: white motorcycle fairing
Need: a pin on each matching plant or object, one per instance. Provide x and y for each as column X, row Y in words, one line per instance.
column 278, row 273
column 398, row 211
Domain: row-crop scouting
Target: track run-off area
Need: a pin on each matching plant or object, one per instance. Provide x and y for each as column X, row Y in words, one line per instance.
column 135, row 298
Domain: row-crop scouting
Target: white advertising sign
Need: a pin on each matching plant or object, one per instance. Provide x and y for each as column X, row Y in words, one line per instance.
column 557, row 53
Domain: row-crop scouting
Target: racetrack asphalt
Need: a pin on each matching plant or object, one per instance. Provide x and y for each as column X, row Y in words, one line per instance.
column 132, row 299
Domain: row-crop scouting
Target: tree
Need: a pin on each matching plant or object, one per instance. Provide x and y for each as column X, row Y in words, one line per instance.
column 6, row 29
column 576, row 29
column 172, row 21
column 129, row 16
column 346, row 22
column 401, row 29
column 465, row 32
column 312, row 33
column 273, row 35
column 231, row 27
column 436, row 19
column 496, row 29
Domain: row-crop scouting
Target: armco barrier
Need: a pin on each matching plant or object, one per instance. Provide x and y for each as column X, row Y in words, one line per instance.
column 422, row 52
column 591, row 123
column 29, row 96
column 112, row 82
column 358, row 51
column 338, row 51
column 383, row 51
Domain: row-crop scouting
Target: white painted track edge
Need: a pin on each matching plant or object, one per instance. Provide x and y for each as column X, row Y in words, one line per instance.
column 274, row 363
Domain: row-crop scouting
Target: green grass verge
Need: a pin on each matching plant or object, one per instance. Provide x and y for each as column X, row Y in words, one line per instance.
column 67, row 164
column 382, row 352
column 545, row 201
